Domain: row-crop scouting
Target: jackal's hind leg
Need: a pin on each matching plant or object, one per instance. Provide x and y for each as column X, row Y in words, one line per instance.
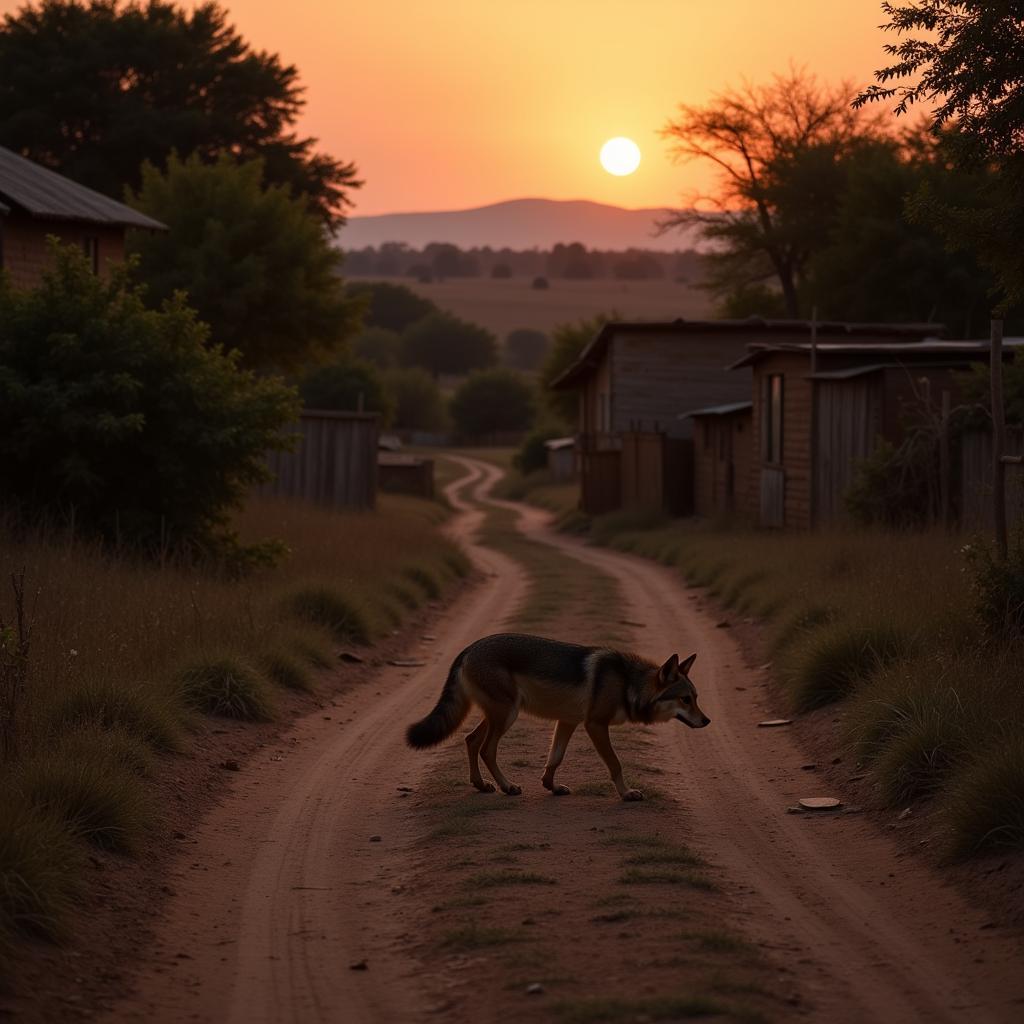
column 559, row 741
column 474, row 741
column 497, row 726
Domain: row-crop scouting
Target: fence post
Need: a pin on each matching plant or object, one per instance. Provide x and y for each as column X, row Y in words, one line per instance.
column 944, row 440
column 998, row 438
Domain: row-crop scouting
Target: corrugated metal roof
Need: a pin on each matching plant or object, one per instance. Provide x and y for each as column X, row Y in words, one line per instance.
column 43, row 193
column 929, row 346
column 556, row 444
column 591, row 355
column 718, row 410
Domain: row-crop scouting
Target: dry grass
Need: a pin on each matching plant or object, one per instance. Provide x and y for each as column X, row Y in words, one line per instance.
column 885, row 623
column 125, row 654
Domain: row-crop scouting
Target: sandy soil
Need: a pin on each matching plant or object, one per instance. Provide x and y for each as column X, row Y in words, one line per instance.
column 317, row 890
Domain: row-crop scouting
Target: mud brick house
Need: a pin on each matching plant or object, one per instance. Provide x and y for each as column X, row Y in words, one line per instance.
column 36, row 202
column 816, row 414
column 634, row 380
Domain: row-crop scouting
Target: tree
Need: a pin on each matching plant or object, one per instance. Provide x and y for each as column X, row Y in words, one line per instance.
column 442, row 343
column 346, row 385
column 567, row 342
column 379, row 346
column 525, row 348
column 967, row 62
column 778, row 148
column 390, row 305
column 95, row 89
column 256, row 264
column 492, row 401
column 125, row 420
column 417, row 400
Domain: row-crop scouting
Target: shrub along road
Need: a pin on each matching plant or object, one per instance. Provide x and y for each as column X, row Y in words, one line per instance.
column 339, row 848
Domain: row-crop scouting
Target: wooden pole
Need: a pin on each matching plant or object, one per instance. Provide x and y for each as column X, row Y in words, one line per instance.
column 998, row 438
column 944, row 461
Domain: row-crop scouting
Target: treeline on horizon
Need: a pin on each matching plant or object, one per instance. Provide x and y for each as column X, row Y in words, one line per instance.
column 571, row 261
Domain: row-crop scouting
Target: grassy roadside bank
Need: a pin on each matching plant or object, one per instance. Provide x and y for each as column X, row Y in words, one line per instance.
column 885, row 627
column 126, row 659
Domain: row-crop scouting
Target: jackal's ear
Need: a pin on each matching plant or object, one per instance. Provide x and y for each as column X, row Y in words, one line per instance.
column 667, row 672
column 684, row 668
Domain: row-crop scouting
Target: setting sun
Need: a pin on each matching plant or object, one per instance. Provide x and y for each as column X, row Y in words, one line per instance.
column 620, row 156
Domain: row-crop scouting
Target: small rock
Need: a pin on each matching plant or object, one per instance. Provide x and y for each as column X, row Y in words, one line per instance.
column 837, row 760
column 766, row 667
column 376, row 839
column 231, row 765
column 793, row 809
column 359, row 965
column 904, row 814
column 772, row 723
column 404, row 789
column 724, row 624
column 351, row 656
column 535, row 989
column 635, row 625
column 429, row 637
column 853, row 809
column 406, row 662
column 809, row 767
column 820, row 803
column 327, row 718
column 180, row 835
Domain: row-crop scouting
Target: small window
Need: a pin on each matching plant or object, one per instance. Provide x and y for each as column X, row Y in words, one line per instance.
column 91, row 248
column 771, row 419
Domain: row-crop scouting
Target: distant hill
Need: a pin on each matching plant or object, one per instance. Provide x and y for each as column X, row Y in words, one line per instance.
column 520, row 224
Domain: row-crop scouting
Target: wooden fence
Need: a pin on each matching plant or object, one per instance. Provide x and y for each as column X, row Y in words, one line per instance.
column 334, row 462
column 976, row 512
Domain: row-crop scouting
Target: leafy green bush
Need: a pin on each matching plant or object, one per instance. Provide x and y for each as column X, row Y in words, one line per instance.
column 442, row 343
column 998, row 588
column 346, row 384
column 122, row 420
column 416, row 399
column 532, row 454
column 894, row 487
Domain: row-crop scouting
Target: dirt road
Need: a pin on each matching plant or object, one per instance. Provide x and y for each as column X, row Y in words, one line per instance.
column 292, row 882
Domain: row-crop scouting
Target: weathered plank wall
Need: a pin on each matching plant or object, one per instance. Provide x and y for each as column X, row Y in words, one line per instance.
column 335, row 462
column 600, row 481
column 976, row 480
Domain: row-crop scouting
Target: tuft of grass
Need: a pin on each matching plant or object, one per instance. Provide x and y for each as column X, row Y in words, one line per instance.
column 669, row 855
column 40, row 868
column 424, row 579
column 834, row 659
column 327, row 606
column 474, row 937
column 490, row 879
column 985, row 804
column 226, row 686
column 636, row 876
column 313, row 644
column 92, row 790
column 658, row 1008
column 145, row 712
column 286, row 670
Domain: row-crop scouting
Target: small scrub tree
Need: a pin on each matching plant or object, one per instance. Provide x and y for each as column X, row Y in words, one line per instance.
column 416, row 399
column 567, row 342
column 442, row 343
column 122, row 419
column 493, row 400
column 346, row 385
column 525, row 348
column 378, row 345
column 256, row 263
column 392, row 306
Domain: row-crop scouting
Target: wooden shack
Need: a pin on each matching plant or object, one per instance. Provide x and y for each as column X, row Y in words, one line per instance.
column 36, row 203
column 334, row 462
column 561, row 458
column 404, row 473
column 722, row 459
column 817, row 414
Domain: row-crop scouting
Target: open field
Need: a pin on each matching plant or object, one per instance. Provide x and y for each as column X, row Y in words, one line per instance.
column 503, row 305
column 126, row 658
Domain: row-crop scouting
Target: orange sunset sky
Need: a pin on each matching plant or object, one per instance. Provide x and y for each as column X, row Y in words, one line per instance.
column 447, row 104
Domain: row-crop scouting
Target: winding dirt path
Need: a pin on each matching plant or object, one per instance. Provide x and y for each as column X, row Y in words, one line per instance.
column 291, row 881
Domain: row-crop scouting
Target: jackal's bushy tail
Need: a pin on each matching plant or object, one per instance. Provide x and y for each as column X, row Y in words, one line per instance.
column 451, row 708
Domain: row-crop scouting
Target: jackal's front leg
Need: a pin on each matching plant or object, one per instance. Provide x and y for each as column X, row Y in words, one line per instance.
column 598, row 733
column 559, row 741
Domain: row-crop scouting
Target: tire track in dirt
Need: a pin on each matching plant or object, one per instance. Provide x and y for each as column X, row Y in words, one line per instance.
column 283, row 888
column 873, row 936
